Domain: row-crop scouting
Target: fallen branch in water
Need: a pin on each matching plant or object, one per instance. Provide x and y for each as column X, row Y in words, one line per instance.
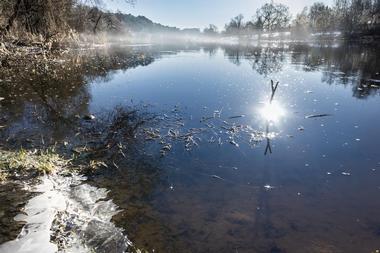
column 236, row 117
column 274, row 89
column 317, row 116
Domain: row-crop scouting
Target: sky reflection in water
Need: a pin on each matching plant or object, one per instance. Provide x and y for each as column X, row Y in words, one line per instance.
column 308, row 183
column 282, row 194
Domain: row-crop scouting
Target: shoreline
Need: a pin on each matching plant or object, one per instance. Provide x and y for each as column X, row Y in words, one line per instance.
column 65, row 201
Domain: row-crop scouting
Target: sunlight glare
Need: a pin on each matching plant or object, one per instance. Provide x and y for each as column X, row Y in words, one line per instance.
column 272, row 111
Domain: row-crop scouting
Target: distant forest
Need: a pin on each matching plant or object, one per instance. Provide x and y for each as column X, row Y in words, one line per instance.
column 50, row 20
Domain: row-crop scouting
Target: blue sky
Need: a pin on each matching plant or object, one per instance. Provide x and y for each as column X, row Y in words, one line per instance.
column 200, row 13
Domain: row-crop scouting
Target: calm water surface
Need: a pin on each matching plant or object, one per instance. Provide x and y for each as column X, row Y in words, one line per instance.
column 255, row 176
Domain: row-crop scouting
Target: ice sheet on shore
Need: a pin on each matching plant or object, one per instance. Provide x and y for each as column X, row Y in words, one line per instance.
column 72, row 212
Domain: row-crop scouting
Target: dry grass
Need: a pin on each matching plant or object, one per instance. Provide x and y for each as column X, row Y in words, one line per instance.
column 30, row 161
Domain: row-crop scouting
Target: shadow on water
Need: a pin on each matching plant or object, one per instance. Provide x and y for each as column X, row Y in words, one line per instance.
column 193, row 184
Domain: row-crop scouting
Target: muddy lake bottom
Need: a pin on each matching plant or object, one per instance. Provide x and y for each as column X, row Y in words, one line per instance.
column 198, row 155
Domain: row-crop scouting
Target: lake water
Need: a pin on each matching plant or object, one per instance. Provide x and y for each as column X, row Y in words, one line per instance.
column 215, row 165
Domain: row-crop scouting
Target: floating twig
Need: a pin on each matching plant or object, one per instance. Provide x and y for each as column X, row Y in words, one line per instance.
column 274, row 89
column 237, row 116
column 317, row 116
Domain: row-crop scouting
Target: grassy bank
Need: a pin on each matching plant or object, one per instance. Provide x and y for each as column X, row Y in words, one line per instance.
column 23, row 162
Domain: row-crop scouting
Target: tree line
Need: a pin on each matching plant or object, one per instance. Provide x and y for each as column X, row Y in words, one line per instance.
column 346, row 16
column 49, row 19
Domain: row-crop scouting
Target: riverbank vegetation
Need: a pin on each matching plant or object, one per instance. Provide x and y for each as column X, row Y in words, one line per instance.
column 52, row 23
column 29, row 162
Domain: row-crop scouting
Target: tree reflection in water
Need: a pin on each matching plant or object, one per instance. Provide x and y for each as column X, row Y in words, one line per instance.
column 45, row 103
column 347, row 64
column 271, row 112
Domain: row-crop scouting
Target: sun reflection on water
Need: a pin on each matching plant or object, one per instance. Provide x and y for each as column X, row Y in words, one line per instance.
column 272, row 112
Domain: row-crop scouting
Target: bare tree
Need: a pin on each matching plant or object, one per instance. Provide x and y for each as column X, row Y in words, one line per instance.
column 301, row 24
column 211, row 30
column 320, row 16
column 355, row 16
column 238, row 21
column 273, row 16
column 98, row 13
column 235, row 26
